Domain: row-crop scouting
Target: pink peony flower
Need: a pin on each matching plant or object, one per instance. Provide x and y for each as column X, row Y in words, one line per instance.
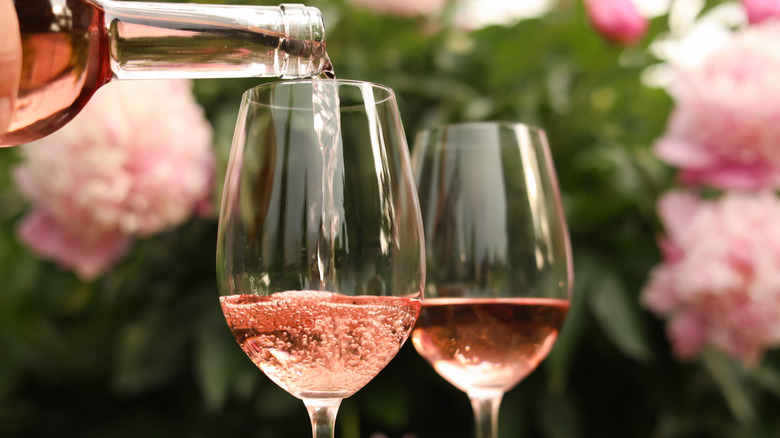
column 719, row 283
column 725, row 128
column 137, row 160
column 88, row 254
column 617, row 20
column 405, row 8
column 760, row 10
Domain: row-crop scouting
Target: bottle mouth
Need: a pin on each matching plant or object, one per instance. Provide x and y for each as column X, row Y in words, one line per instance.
column 307, row 49
column 303, row 41
column 304, row 31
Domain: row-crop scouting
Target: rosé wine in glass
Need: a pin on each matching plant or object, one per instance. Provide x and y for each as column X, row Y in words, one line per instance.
column 320, row 251
column 320, row 344
column 498, row 258
column 487, row 344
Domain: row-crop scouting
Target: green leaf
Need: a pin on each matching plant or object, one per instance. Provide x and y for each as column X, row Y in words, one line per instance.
column 729, row 376
column 222, row 369
column 560, row 417
column 618, row 314
column 561, row 358
column 148, row 355
column 767, row 376
column 214, row 364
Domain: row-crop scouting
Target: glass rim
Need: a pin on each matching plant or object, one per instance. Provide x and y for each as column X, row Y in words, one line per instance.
column 442, row 134
column 498, row 123
column 249, row 95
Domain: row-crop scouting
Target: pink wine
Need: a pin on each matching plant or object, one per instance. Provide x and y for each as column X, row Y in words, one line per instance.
column 70, row 48
column 320, row 344
column 65, row 59
column 487, row 344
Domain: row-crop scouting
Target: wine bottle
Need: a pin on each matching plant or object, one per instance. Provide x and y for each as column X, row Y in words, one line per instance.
column 72, row 47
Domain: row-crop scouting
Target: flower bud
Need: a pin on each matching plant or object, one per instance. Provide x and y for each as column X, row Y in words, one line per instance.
column 760, row 10
column 616, row 20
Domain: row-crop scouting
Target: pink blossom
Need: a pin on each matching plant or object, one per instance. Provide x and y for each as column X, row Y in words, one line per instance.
column 88, row 254
column 405, row 8
column 725, row 128
column 721, row 287
column 760, row 10
column 688, row 330
column 617, row 20
column 137, row 160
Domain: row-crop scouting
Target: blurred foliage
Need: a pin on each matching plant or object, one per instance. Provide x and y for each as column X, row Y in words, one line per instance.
column 144, row 350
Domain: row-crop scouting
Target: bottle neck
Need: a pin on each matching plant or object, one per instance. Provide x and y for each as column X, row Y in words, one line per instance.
column 178, row 40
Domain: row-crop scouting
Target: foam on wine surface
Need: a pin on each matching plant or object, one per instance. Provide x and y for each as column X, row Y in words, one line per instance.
column 318, row 344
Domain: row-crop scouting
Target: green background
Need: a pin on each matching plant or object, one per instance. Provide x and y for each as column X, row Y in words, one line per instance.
column 144, row 350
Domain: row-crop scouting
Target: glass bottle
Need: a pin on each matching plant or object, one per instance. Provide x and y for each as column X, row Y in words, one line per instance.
column 72, row 47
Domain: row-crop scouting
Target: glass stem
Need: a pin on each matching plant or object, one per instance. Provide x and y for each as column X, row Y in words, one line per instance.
column 485, row 407
column 322, row 413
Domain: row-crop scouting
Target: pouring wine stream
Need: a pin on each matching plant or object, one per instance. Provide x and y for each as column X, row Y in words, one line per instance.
column 327, row 125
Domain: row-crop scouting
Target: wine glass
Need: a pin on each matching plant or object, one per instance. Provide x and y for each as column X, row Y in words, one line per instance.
column 499, row 269
column 320, row 252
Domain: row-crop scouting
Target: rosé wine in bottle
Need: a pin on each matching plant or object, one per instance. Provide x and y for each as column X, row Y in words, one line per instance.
column 487, row 344
column 70, row 48
column 320, row 344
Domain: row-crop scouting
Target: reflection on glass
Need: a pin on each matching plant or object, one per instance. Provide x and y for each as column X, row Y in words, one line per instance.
column 320, row 252
column 498, row 258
